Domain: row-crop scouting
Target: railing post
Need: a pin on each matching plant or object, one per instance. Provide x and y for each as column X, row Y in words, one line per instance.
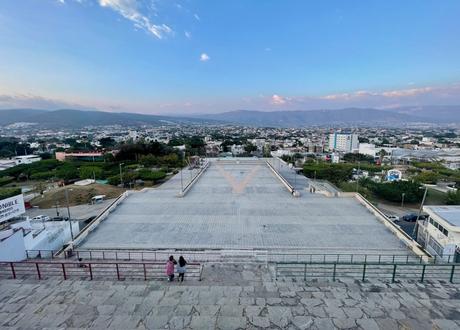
column 380, row 256
column 38, row 271
column 423, row 273
column 145, row 272
column 351, row 258
column 394, row 274
column 305, row 273
column 364, row 272
column 334, row 272
column 90, row 271
column 434, row 261
column 63, row 271
column 407, row 259
column 118, row 272
column 420, row 259
column 103, row 255
column 365, row 258
column 27, row 254
column 129, row 255
column 393, row 258
column 90, row 255
column 452, row 274
column 12, row 270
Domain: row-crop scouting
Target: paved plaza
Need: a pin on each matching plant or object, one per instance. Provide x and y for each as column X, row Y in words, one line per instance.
column 229, row 297
column 241, row 205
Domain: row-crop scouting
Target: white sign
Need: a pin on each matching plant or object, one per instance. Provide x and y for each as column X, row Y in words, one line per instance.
column 11, row 207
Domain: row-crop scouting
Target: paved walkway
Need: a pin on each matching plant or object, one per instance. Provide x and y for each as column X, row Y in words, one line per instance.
column 229, row 297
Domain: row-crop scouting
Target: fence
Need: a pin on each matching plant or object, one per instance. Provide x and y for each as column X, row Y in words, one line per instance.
column 364, row 271
column 93, row 270
column 241, row 255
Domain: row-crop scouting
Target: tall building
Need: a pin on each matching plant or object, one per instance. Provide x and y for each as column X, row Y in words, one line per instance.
column 346, row 142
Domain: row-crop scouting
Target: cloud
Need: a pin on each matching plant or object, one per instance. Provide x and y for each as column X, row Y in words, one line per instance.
column 12, row 101
column 204, row 57
column 188, row 34
column 278, row 100
column 197, row 17
column 131, row 10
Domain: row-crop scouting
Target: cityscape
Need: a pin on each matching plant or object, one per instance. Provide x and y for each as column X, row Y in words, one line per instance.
column 191, row 175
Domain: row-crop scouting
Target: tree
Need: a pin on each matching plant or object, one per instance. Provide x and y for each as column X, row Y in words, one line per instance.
column 107, row 142
column 453, row 197
column 90, row 172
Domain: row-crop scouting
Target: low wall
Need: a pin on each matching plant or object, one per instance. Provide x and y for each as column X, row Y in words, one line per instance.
column 195, row 179
column 94, row 223
column 283, row 180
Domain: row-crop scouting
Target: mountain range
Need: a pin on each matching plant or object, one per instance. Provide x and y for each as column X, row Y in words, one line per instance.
column 69, row 118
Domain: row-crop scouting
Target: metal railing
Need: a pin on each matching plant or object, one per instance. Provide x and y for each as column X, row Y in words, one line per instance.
column 241, row 255
column 93, row 270
column 364, row 271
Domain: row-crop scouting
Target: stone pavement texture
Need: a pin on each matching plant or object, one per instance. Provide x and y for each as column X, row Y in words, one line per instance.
column 229, row 297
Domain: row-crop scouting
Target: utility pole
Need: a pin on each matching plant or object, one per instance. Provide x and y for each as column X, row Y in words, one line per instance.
column 121, row 175
column 414, row 233
column 68, row 211
column 402, row 199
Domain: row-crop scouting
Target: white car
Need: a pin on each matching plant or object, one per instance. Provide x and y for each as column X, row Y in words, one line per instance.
column 41, row 218
column 393, row 218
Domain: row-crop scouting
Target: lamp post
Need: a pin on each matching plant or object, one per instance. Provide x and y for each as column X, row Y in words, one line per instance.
column 402, row 199
column 121, row 175
column 68, row 211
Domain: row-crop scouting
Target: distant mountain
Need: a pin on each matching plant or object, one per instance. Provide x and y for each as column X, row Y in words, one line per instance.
column 437, row 113
column 68, row 118
column 314, row 117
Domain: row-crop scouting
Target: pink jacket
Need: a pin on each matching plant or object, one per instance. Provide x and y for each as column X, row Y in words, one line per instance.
column 169, row 268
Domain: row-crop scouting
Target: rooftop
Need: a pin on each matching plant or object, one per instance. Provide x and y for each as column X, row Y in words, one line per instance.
column 241, row 205
column 451, row 214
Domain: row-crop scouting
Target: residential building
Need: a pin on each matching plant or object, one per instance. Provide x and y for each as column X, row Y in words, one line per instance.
column 345, row 142
column 440, row 233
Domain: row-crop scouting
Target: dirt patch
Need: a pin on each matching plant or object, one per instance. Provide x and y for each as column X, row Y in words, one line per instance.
column 78, row 195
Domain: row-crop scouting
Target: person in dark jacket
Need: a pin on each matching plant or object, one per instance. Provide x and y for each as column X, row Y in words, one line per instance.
column 181, row 268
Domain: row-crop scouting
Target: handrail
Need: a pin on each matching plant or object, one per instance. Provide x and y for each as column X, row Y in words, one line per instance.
column 194, row 179
column 122, row 270
column 365, row 270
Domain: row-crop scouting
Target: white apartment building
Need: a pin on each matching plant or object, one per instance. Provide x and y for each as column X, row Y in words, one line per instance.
column 346, row 142
column 440, row 233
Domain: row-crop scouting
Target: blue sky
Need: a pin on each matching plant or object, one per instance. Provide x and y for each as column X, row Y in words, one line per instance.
column 196, row 56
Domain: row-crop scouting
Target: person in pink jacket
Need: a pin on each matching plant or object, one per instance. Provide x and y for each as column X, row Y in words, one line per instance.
column 170, row 268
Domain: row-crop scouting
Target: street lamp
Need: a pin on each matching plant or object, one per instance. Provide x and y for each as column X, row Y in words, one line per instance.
column 68, row 211
column 121, row 175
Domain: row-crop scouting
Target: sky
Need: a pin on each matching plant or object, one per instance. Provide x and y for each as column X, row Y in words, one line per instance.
column 197, row 56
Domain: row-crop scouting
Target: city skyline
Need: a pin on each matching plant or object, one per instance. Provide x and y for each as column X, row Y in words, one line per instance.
column 187, row 57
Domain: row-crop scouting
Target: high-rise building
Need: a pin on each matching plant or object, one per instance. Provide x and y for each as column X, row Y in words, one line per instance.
column 346, row 142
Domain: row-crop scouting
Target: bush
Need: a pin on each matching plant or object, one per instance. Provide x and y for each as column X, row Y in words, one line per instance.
column 453, row 198
column 392, row 191
column 149, row 175
column 9, row 192
column 5, row 180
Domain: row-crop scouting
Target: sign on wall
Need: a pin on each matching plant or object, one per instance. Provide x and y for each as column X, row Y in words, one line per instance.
column 11, row 207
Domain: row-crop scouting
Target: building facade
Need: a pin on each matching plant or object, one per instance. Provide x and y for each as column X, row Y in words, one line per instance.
column 345, row 142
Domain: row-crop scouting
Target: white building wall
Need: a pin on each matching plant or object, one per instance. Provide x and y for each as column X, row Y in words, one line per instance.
column 13, row 248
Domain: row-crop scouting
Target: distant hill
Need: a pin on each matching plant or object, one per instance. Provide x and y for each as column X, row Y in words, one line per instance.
column 313, row 117
column 68, row 118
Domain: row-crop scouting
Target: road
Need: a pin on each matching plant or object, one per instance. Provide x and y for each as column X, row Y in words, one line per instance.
column 79, row 212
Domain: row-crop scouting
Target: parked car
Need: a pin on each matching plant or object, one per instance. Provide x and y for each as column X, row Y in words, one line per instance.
column 59, row 219
column 393, row 218
column 41, row 218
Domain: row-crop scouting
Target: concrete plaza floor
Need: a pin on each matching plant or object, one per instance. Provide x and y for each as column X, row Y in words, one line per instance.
column 241, row 205
column 229, row 297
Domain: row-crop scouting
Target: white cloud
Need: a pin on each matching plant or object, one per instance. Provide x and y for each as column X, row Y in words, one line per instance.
column 11, row 101
column 204, row 57
column 188, row 34
column 197, row 17
column 130, row 10
column 278, row 100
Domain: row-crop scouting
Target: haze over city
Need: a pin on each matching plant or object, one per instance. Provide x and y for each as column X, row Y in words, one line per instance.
column 189, row 57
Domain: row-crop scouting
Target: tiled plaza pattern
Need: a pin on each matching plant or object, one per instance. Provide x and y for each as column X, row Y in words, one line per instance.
column 229, row 297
